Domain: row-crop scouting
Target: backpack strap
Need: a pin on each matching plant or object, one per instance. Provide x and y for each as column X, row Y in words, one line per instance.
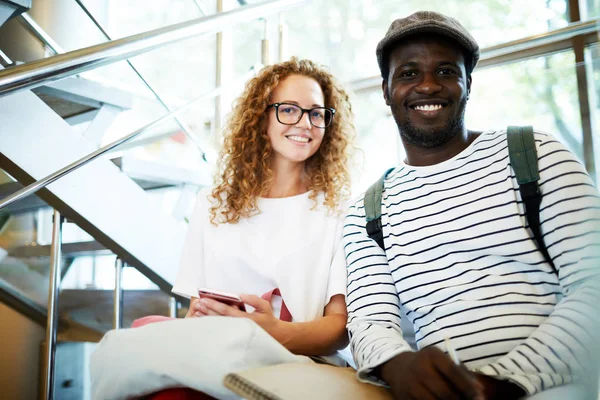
column 524, row 161
column 373, row 203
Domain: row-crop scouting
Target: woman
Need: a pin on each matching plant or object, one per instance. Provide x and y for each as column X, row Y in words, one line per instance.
column 271, row 225
column 273, row 222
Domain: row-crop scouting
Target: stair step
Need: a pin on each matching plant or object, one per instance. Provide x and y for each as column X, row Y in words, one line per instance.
column 69, row 250
column 155, row 175
column 78, row 99
column 12, row 8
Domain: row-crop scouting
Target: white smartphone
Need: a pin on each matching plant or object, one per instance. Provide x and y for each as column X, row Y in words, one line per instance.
column 224, row 297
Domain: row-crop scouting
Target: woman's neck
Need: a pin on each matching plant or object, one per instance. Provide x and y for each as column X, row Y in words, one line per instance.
column 288, row 180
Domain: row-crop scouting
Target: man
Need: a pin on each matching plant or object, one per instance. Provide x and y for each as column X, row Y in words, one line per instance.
column 460, row 261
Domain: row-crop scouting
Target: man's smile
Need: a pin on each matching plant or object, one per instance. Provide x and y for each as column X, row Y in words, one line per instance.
column 428, row 108
column 427, row 104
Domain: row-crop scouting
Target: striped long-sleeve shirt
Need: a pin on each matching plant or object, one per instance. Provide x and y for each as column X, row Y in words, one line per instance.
column 461, row 262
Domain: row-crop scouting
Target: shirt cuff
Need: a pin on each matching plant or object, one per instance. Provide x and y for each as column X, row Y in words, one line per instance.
column 365, row 372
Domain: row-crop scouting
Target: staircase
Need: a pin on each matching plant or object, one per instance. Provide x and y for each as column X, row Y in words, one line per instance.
column 12, row 8
column 113, row 207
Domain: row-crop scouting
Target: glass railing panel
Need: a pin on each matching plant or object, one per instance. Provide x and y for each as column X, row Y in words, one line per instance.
column 182, row 70
column 58, row 20
column 121, row 76
column 190, row 74
column 25, row 246
column 129, row 17
column 87, row 287
column 24, row 253
column 71, row 233
column 87, row 293
column 246, row 41
column 179, row 73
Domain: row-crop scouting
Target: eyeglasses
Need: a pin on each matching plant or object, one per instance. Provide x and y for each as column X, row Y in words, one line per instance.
column 291, row 114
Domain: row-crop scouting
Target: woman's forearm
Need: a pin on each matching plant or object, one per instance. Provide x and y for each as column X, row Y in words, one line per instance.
column 319, row 337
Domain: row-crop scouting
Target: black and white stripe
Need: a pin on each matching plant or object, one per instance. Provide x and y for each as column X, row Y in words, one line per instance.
column 461, row 263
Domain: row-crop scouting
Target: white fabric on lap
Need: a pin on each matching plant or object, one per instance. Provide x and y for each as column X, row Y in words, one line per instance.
column 196, row 353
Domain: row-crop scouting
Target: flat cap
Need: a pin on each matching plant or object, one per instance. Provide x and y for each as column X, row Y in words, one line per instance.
column 427, row 21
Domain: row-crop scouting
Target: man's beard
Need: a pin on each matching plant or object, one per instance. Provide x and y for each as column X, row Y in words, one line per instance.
column 432, row 137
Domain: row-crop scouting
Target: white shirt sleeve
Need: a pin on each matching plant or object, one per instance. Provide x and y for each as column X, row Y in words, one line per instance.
column 191, row 274
column 337, row 274
column 337, row 271
column 374, row 316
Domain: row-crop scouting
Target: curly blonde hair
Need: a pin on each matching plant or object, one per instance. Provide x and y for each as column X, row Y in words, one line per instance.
column 244, row 170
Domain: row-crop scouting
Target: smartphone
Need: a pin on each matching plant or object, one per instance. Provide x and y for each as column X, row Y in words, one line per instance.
column 226, row 298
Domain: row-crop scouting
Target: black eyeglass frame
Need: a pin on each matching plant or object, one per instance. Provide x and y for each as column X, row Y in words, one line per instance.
column 303, row 110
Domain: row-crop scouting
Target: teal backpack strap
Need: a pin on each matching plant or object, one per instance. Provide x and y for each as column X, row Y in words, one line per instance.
column 524, row 161
column 523, row 155
column 373, row 202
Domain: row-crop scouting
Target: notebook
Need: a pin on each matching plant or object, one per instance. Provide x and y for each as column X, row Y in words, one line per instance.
column 301, row 382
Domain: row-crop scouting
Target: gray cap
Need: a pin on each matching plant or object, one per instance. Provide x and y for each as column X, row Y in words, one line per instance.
column 427, row 21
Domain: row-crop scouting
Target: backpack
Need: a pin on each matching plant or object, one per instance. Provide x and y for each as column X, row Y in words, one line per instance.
column 524, row 161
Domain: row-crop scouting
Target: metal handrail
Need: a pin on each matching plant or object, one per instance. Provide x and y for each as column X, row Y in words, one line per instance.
column 186, row 129
column 42, row 183
column 36, row 73
column 557, row 35
column 493, row 52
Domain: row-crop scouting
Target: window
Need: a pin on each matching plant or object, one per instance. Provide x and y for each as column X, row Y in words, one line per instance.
column 589, row 9
column 377, row 138
column 344, row 33
column 541, row 92
column 592, row 57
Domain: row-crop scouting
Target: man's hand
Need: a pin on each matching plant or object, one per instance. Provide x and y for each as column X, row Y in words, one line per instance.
column 429, row 374
column 496, row 389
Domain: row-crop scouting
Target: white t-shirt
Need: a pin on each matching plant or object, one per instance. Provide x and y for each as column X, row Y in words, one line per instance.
column 288, row 245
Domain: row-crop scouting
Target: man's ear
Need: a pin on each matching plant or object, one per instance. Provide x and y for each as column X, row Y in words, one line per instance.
column 469, row 81
column 384, row 88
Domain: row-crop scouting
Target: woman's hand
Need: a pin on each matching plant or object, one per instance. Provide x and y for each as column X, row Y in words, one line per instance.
column 197, row 309
column 263, row 313
column 321, row 336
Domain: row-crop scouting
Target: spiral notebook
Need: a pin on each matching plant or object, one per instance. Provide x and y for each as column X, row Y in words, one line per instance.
column 301, row 382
